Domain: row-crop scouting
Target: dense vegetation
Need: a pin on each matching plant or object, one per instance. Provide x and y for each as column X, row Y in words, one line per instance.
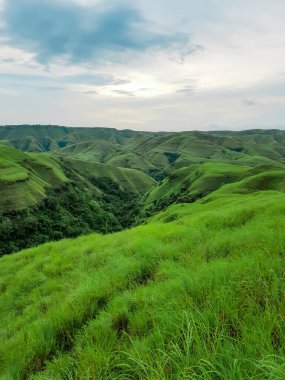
column 124, row 205
column 45, row 198
column 197, row 292
column 68, row 211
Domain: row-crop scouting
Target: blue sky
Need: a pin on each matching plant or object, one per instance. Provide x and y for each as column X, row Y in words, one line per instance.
column 144, row 65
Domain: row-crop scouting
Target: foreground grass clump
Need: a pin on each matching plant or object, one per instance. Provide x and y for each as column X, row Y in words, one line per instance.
column 198, row 293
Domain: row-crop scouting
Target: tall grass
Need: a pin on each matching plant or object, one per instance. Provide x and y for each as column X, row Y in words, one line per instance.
column 201, row 297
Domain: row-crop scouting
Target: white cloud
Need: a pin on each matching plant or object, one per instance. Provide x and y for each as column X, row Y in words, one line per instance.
column 240, row 65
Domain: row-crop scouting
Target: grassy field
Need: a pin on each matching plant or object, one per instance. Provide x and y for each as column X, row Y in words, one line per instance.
column 197, row 293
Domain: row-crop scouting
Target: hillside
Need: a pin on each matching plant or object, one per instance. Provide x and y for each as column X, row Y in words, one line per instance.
column 24, row 178
column 198, row 292
column 184, row 275
column 127, row 179
column 108, row 172
column 49, row 138
column 156, row 154
column 44, row 197
column 197, row 181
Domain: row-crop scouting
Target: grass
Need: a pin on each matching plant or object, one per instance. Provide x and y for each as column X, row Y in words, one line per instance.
column 25, row 177
column 128, row 179
column 196, row 181
column 145, row 150
column 195, row 178
column 195, row 293
column 198, row 293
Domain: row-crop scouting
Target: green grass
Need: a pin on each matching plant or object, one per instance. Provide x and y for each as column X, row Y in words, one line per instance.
column 145, row 150
column 12, row 173
column 129, row 160
column 197, row 178
column 128, row 179
column 196, row 181
column 93, row 150
column 198, row 293
column 24, row 178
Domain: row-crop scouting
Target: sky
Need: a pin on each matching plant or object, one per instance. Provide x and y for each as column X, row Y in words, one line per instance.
column 163, row 65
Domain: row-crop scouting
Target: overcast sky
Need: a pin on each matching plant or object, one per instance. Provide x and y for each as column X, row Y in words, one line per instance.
column 144, row 64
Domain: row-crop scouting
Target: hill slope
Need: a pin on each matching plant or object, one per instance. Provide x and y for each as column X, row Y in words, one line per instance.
column 198, row 180
column 128, row 179
column 24, row 178
column 44, row 197
column 196, row 293
column 153, row 153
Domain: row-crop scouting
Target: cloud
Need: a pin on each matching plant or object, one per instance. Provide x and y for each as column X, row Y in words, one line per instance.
column 42, row 81
column 120, row 82
column 76, row 45
column 82, row 34
column 186, row 90
column 124, row 92
column 90, row 79
column 51, row 88
column 7, row 60
column 91, row 92
column 248, row 102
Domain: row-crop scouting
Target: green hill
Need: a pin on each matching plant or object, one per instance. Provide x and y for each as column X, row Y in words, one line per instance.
column 196, row 181
column 148, row 151
column 24, row 178
column 95, row 150
column 44, row 197
column 196, row 293
column 50, row 138
column 128, row 179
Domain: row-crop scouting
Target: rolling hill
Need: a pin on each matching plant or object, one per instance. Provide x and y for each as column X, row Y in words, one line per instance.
column 184, row 277
column 196, row 293
column 24, row 178
column 148, row 151
column 45, row 197
column 196, row 181
column 79, row 162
